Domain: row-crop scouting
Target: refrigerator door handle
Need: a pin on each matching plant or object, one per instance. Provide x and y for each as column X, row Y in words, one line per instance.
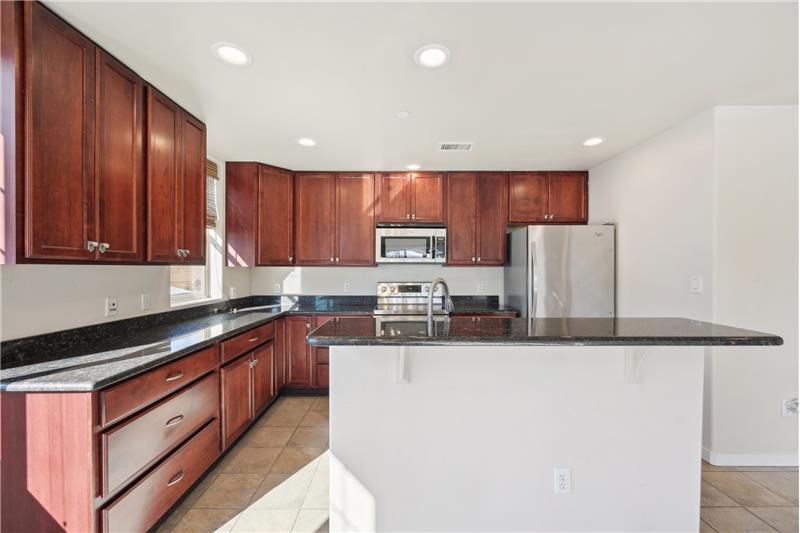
column 533, row 292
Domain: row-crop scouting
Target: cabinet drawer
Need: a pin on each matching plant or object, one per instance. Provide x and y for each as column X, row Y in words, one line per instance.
column 144, row 503
column 236, row 346
column 128, row 397
column 132, row 446
column 322, row 355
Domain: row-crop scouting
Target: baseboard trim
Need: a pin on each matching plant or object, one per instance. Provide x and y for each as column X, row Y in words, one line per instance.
column 748, row 459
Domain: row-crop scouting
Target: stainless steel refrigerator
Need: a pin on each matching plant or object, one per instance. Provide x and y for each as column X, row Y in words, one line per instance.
column 561, row 271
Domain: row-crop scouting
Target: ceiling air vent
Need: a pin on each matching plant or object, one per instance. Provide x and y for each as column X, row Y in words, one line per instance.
column 455, row 147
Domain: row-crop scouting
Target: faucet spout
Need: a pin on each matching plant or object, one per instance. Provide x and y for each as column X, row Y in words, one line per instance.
column 447, row 303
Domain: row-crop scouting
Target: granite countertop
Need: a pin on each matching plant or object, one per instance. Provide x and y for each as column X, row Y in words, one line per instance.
column 540, row 332
column 94, row 357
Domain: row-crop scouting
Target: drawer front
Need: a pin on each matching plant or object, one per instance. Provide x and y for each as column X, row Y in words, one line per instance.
column 132, row 446
column 322, row 355
column 236, row 346
column 130, row 396
column 322, row 377
column 144, row 504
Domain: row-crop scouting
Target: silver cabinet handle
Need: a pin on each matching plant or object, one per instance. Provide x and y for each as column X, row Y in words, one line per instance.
column 291, row 258
column 179, row 252
column 91, row 245
column 175, row 479
column 473, row 258
column 186, row 253
column 408, row 216
column 103, row 247
column 254, row 339
column 337, row 259
column 173, row 377
column 479, row 259
column 414, row 216
column 308, row 325
column 174, row 421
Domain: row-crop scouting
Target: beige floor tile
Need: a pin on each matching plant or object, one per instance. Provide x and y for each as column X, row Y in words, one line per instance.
column 286, row 494
column 265, row 521
column 290, row 418
column 207, row 520
column 783, row 519
column 743, row 490
column 317, row 419
column 318, row 494
column 733, row 519
column 311, row 521
column 309, row 437
column 293, row 459
column 320, row 404
column 172, row 520
column 784, row 484
column 705, row 528
column 268, row 436
column 232, row 491
column 198, row 491
column 710, row 496
column 296, row 402
column 248, row 460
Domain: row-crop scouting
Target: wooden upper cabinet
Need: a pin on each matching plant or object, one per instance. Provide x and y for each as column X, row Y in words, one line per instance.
column 60, row 140
column 120, row 161
column 427, row 198
column 569, row 197
column 492, row 213
column 275, row 241
column 527, row 197
column 355, row 219
column 163, row 178
column 192, row 223
column 461, row 217
column 393, row 197
column 314, row 208
column 241, row 212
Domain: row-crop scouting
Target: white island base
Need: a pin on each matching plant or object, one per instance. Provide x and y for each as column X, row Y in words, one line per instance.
column 466, row 438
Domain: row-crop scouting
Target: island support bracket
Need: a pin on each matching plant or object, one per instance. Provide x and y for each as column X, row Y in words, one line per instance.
column 633, row 362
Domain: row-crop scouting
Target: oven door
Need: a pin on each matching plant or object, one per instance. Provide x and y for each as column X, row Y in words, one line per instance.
column 409, row 245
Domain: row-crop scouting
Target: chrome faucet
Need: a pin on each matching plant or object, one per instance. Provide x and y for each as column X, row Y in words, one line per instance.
column 447, row 303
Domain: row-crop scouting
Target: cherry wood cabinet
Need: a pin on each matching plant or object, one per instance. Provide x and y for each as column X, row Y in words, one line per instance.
column 237, row 408
column 477, row 215
column 192, row 199
column 280, row 354
column 242, row 201
column 275, row 241
column 320, row 356
column 355, row 220
column 411, row 197
column 314, row 205
column 299, row 369
column 263, row 376
column 560, row 197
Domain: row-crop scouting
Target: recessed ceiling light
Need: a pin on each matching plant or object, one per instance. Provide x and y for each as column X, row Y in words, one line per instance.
column 305, row 141
column 594, row 141
column 403, row 114
column 432, row 56
column 231, row 53
column 413, row 166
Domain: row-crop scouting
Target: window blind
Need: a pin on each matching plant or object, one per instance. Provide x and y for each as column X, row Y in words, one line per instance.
column 212, row 179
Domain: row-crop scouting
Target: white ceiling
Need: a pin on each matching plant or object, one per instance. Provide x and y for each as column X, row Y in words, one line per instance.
column 527, row 82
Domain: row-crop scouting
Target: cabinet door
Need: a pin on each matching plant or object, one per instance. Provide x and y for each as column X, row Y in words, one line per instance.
column 569, row 197
column 237, row 406
column 394, row 199
column 193, row 190
column 298, row 351
column 275, row 212
column 163, row 178
column 314, row 208
column 527, row 197
column 59, row 147
column 280, row 354
column 241, row 206
column 320, row 356
column 492, row 216
column 355, row 219
column 263, row 376
column 120, row 160
column 461, row 231
column 427, row 198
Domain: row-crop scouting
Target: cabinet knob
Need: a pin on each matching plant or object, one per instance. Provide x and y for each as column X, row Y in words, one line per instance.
column 103, row 247
column 473, row 258
column 479, row 259
column 308, row 325
column 414, row 216
column 331, row 259
column 408, row 216
column 180, row 252
column 91, row 245
column 291, row 258
column 337, row 259
column 186, row 253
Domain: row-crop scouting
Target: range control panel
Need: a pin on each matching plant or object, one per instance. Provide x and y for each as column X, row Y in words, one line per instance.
column 408, row 289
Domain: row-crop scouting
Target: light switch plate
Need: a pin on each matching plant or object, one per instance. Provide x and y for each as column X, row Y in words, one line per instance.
column 232, row 292
column 347, row 288
column 696, row 284
column 145, row 302
column 479, row 287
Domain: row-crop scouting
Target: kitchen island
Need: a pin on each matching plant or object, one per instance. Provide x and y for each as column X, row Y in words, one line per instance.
column 462, row 427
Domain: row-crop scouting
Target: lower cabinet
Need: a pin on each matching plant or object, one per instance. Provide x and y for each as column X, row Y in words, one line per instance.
column 280, row 354
column 320, row 356
column 298, row 352
column 263, row 376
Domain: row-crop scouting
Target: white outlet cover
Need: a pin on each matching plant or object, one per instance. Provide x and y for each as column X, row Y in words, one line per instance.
column 112, row 306
column 232, row 292
column 480, row 287
column 562, row 480
column 145, row 302
column 347, row 288
column 277, row 288
column 696, row 284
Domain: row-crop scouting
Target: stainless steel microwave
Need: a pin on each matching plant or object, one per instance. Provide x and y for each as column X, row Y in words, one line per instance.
column 410, row 245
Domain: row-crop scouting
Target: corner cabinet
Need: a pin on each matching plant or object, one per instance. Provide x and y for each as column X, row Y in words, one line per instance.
column 176, row 183
column 559, row 197
column 417, row 197
column 477, row 214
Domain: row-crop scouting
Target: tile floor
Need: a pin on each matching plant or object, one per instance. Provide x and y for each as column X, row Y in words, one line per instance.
column 276, row 479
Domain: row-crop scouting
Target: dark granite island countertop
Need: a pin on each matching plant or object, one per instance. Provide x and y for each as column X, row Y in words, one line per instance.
column 539, row 332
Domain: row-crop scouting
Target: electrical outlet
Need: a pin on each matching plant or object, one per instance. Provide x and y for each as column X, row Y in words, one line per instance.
column 347, row 288
column 112, row 306
column 145, row 302
column 479, row 287
column 277, row 288
column 232, row 292
column 789, row 407
column 562, row 477
column 696, row 284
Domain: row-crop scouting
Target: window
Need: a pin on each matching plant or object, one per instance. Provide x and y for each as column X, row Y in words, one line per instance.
column 189, row 283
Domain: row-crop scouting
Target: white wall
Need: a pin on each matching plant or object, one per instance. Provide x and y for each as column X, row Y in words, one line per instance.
column 322, row 280
column 755, row 283
column 716, row 196
column 44, row 298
